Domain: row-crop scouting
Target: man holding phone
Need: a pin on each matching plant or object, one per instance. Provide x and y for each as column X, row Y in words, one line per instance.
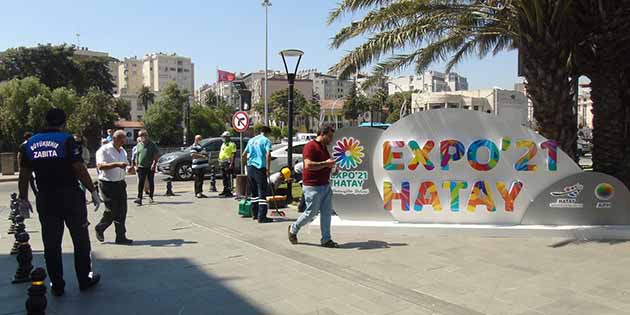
column 316, row 189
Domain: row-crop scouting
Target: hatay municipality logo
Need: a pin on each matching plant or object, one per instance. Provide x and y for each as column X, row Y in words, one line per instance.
column 348, row 154
column 567, row 198
column 604, row 192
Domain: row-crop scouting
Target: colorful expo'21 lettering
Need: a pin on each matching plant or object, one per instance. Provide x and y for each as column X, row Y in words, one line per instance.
column 452, row 151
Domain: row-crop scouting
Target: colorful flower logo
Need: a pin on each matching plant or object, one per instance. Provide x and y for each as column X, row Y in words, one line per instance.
column 348, row 153
column 604, row 191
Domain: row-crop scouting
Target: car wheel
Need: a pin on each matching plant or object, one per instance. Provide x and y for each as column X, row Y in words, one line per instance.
column 183, row 171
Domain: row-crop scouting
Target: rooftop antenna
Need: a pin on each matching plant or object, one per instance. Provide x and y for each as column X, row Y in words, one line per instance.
column 78, row 40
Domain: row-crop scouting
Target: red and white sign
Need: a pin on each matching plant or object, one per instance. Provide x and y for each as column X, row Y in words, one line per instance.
column 240, row 121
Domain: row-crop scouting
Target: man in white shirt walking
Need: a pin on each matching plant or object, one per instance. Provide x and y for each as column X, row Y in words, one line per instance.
column 111, row 161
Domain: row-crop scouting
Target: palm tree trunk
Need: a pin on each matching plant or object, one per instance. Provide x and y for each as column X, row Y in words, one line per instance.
column 550, row 91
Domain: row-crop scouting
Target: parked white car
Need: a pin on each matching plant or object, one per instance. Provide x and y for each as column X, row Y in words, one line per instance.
column 279, row 155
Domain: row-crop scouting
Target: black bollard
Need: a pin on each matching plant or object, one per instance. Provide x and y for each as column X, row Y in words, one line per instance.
column 19, row 228
column 24, row 259
column 36, row 302
column 13, row 206
column 169, row 187
column 213, row 179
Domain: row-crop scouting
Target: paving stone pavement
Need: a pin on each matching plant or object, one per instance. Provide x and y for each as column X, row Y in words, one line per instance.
column 197, row 256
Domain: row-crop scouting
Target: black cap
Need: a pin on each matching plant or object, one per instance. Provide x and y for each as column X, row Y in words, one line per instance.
column 55, row 117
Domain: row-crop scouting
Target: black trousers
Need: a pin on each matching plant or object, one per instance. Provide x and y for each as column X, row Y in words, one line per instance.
column 226, row 173
column 55, row 209
column 115, row 199
column 199, row 174
column 258, row 184
column 145, row 173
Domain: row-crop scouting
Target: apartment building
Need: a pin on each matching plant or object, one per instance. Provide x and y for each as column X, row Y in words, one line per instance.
column 429, row 81
column 160, row 69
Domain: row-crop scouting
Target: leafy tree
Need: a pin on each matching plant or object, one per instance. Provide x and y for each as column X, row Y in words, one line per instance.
column 276, row 132
column 94, row 113
column 204, row 121
column 420, row 32
column 394, row 103
column 146, row 97
column 163, row 119
column 122, row 108
column 376, row 104
column 308, row 113
column 65, row 99
column 38, row 107
column 354, row 105
column 56, row 66
column 278, row 105
column 15, row 110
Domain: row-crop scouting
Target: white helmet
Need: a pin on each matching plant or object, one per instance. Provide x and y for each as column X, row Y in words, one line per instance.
column 225, row 134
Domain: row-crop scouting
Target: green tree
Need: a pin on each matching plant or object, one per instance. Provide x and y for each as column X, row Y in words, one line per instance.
column 278, row 105
column 308, row 113
column 94, row 113
column 394, row 103
column 65, row 99
column 423, row 31
column 15, row 111
column 122, row 108
column 57, row 66
column 146, row 97
column 204, row 121
column 163, row 119
column 38, row 107
column 355, row 104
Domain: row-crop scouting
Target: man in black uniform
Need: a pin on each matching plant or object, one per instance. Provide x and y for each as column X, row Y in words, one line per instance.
column 55, row 158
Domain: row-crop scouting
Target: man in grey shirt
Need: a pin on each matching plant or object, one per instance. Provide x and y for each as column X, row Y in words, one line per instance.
column 199, row 165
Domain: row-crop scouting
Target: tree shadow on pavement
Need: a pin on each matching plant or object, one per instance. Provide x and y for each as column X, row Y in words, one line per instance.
column 580, row 242
column 158, row 243
column 133, row 286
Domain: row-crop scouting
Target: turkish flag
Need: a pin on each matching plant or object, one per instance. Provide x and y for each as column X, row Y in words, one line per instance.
column 225, row 76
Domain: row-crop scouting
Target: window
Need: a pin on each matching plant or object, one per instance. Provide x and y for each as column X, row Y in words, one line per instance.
column 139, row 107
column 179, row 62
column 475, row 107
column 186, row 70
column 172, row 69
column 139, row 117
column 452, row 105
column 436, row 105
column 466, row 107
column 213, row 146
column 298, row 149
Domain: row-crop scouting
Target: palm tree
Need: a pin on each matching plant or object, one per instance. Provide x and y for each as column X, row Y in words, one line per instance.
column 453, row 30
column 602, row 56
column 308, row 112
column 146, row 97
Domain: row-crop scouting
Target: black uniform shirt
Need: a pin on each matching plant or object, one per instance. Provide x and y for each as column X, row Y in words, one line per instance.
column 50, row 155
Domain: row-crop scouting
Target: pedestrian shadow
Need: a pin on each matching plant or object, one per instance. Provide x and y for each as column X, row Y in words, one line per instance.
column 370, row 244
column 580, row 242
column 176, row 242
column 135, row 286
column 170, row 203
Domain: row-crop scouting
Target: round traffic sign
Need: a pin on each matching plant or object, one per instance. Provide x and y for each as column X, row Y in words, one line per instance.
column 240, row 121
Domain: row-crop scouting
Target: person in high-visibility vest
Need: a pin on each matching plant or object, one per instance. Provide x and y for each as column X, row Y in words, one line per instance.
column 226, row 162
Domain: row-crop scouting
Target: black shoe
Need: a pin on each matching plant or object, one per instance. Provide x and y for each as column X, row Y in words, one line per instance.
column 93, row 281
column 330, row 244
column 265, row 220
column 124, row 241
column 292, row 237
column 57, row 290
column 99, row 235
column 228, row 195
column 222, row 194
column 138, row 202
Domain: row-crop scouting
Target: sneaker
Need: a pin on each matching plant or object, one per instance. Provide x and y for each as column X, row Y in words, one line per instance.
column 57, row 290
column 265, row 220
column 330, row 244
column 124, row 241
column 292, row 237
column 151, row 200
column 201, row 195
column 99, row 235
column 138, row 202
column 93, row 281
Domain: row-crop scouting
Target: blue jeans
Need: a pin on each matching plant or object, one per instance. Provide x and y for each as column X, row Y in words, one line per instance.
column 318, row 201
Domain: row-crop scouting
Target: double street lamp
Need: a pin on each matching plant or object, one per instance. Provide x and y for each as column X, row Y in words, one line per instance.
column 293, row 55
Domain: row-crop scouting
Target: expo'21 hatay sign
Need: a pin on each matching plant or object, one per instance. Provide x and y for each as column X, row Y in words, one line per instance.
column 459, row 166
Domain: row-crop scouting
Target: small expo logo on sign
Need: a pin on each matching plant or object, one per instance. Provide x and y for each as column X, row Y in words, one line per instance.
column 240, row 121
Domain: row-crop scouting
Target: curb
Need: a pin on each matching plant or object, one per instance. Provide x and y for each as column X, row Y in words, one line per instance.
column 7, row 180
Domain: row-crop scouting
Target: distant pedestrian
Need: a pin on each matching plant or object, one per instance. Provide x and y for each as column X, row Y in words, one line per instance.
column 226, row 162
column 146, row 164
column 134, row 158
column 316, row 187
column 257, row 153
column 55, row 158
column 111, row 160
column 199, row 165
column 110, row 133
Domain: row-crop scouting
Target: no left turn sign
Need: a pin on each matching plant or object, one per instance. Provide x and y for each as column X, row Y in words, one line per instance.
column 240, row 121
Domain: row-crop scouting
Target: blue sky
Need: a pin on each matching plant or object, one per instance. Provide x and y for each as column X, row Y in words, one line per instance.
column 228, row 34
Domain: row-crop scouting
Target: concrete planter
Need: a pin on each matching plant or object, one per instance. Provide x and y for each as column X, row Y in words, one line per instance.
column 7, row 162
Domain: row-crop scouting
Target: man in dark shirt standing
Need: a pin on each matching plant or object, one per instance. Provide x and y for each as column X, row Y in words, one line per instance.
column 316, row 187
column 55, row 158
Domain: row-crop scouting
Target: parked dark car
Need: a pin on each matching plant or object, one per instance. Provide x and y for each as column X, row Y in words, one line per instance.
column 179, row 164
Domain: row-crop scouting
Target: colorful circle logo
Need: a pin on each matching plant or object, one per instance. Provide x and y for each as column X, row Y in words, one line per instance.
column 348, row 153
column 604, row 191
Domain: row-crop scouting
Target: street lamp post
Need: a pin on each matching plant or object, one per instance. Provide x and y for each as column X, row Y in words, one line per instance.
column 292, row 54
column 266, row 4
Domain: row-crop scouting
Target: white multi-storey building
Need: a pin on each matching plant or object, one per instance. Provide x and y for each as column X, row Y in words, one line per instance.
column 429, row 81
column 159, row 69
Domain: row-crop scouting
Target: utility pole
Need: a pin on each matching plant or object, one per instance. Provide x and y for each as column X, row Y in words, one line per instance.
column 266, row 4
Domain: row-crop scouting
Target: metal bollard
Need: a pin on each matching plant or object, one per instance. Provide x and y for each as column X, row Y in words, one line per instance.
column 213, row 179
column 169, row 187
column 24, row 259
column 13, row 206
column 36, row 302
column 19, row 228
